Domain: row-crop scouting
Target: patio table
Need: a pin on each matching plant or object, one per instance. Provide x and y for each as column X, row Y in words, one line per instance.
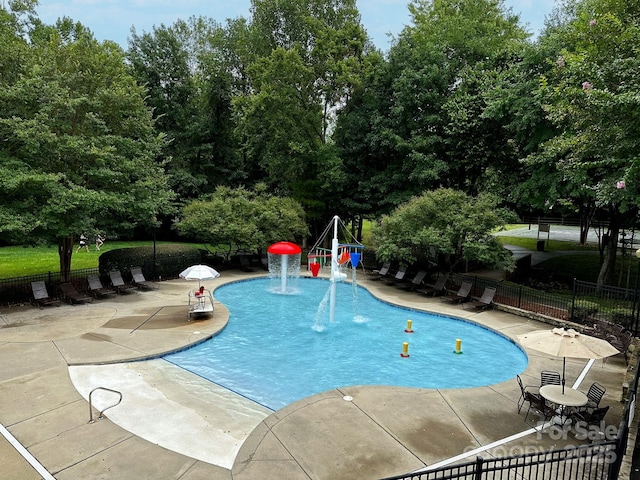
column 563, row 399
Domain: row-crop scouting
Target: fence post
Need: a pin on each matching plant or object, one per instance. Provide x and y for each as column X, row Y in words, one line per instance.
column 520, row 297
column 573, row 298
column 479, row 468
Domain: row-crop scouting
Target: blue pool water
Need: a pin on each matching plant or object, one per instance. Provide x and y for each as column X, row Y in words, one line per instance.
column 277, row 349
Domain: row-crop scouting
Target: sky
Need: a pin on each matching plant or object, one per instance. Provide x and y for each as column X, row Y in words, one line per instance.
column 113, row 19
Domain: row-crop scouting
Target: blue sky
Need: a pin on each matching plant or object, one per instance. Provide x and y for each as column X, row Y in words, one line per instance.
column 113, row 19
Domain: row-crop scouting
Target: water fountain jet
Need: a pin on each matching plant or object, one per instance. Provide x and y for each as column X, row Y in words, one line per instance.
column 284, row 263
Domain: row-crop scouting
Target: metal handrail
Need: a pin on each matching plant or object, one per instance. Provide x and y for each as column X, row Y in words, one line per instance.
column 100, row 414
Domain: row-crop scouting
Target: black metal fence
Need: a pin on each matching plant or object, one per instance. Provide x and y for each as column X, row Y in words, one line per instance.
column 610, row 304
column 591, row 462
column 587, row 303
column 17, row 290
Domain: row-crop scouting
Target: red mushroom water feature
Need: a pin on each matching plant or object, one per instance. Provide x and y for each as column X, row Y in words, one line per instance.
column 284, row 262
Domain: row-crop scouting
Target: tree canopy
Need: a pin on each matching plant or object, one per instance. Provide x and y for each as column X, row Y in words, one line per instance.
column 444, row 223
column 295, row 100
column 79, row 151
column 243, row 220
column 591, row 95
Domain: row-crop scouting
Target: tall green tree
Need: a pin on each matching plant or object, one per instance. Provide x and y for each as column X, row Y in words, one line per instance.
column 191, row 102
column 420, row 117
column 308, row 58
column 592, row 97
column 79, row 152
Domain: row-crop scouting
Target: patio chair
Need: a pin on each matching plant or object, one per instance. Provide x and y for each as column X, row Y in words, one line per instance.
column 547, row 377
column 594, row 417
column 141, row 282
column 437, row 288
column 525, row 393
column 119, row 284
column 398, row 277
column 41, row 295
column 600, row 329
column 97, row 289
column 594, row 394
column 71, row 295
column 485, row 301
column 380, row 274
column 460, row 296
column 415, row 282
column 539, row 405
column 622, row 342
column 535, row 401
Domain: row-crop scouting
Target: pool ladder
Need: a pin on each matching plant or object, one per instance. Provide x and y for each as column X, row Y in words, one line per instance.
column 100, row 414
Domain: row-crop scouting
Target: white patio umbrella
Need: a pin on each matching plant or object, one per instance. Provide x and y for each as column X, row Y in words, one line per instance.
column 199, row 272
column 567, row 342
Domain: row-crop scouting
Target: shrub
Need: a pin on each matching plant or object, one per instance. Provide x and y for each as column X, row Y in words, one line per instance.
column 170, row 260
column 582, row 310
column 622, row 316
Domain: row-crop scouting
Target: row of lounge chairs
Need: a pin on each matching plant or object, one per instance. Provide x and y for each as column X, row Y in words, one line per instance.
column 439, row 288
column 615, row 334
column 96, row 289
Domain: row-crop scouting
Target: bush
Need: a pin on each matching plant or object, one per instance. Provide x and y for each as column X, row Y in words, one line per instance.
column 622, row 316
column 582, row 310
column 170, row 260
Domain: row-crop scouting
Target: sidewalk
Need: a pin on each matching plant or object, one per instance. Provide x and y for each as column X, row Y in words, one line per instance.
column 563, row 233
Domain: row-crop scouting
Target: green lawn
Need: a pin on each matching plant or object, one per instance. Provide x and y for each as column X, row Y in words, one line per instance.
column 549, row 246
column 21, row 261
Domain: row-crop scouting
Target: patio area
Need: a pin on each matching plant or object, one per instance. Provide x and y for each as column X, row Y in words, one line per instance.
column 172, row 424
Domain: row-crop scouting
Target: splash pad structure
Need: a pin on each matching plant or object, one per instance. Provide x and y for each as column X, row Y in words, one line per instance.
column 341, row 256
column 284, row 263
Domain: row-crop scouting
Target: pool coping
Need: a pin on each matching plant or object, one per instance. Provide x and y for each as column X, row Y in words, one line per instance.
column 377, row 433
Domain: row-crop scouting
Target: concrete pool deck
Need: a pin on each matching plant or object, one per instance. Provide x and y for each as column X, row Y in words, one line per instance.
column 174, row 425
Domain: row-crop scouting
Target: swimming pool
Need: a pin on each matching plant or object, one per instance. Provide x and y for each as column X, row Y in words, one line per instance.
column 277, row 349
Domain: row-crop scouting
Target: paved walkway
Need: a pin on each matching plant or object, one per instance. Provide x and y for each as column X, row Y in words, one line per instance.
column 174, row 425
column 562, row 233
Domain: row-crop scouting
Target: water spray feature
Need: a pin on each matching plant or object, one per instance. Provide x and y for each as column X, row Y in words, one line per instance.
column 341, row 255
column 284, row 264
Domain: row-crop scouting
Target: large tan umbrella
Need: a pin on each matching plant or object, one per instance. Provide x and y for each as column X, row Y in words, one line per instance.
column 567, row 342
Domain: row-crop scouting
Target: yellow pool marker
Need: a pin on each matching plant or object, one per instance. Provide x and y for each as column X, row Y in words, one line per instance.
column 409, row 328
column 405, row 350
column 458, row 349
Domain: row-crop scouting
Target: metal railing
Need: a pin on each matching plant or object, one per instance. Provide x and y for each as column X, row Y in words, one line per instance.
column 17, row 290
column 591, row 462
column 586, row 303
column 101, row 413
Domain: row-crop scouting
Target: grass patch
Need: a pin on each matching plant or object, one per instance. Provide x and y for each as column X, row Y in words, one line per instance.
column 510, row 226
column 549, row 246
column 19, row 261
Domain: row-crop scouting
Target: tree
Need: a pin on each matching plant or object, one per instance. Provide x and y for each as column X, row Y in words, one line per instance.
column 450, row 223
column 308, row 57
column 592, row 98
column 191, row 103
column 419, row 121
column 79, row 153
column 242, row 219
